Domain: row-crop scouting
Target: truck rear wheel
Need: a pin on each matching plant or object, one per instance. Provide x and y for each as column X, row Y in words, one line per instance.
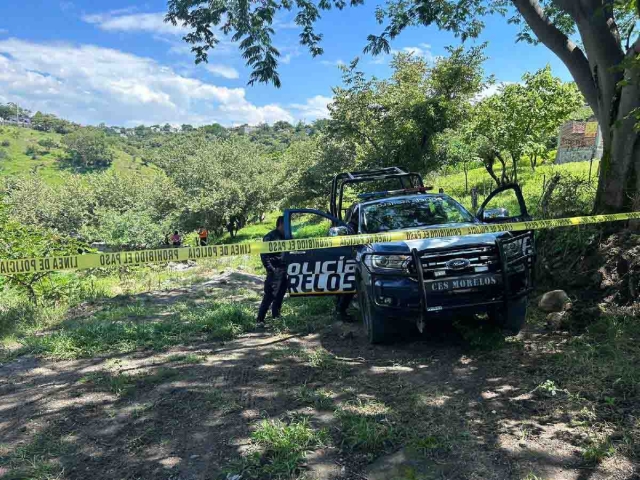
column 511, row 318
column 375, row 324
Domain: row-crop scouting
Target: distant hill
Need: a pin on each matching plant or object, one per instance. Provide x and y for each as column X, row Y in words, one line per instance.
column 25, row 150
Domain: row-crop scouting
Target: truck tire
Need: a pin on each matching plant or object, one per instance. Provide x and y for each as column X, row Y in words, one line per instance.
column 511, row 318
column 375, row 324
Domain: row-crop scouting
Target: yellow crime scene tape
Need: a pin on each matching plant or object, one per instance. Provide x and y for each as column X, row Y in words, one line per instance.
column 141, row 257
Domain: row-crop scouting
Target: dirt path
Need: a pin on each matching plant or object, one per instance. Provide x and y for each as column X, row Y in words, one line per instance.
column 419, row 409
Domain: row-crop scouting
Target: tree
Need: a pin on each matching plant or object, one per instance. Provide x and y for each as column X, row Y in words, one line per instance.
column 89, row 148
column 19, row 241
column 186, row 128
column 395, row 121
column 215, row 129
column 519, row 119
column 51, row 123
column 63, row 208
column 222, row 180
column 458, row 148
column 593, row 38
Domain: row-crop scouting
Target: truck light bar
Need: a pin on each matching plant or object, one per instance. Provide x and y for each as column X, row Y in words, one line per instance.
column 386, row 193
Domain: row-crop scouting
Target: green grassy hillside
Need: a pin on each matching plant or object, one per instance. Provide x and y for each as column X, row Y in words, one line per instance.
column 531, row 182
column 23, row 150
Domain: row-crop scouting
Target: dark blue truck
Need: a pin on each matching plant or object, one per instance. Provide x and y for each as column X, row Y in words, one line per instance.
column 415, row 280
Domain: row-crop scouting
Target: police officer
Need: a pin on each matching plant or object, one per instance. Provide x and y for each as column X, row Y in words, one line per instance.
column 275, row 285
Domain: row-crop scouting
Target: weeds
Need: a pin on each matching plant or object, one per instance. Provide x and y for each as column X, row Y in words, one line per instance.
column 118, row 384
column 598, row 451
column 283, row 448
column 604, row 360
column 189, row 358
column 94, row 336
column 221, row 401
column 123, row 385
column 320, row 398
column 37, row 459
column 366, row 426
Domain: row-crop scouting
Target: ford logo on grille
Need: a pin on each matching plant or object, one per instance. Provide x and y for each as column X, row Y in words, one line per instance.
column 457, row 264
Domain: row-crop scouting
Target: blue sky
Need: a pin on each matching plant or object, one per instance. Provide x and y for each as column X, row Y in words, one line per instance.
column 118, row 63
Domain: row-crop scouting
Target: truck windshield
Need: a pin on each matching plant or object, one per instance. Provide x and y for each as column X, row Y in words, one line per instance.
column 412, row 213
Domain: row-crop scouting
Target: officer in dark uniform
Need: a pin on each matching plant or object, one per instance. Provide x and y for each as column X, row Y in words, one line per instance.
column 343, row 301
column 275, row 285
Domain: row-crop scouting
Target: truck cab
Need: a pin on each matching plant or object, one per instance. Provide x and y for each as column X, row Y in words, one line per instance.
column 414, row 280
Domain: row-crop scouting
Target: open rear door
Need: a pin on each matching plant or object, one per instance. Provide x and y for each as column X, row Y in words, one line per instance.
column 327, row 271
column 517, row 252
column 394, row 177
column 504, row 204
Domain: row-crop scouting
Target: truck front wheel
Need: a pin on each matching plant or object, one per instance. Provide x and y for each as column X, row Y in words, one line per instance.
column 376, row 325
column 512, row 317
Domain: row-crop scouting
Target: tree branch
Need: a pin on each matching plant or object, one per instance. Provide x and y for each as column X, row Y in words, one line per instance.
column 562, row 46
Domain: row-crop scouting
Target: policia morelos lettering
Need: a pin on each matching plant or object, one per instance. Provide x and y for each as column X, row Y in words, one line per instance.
column 94, row 260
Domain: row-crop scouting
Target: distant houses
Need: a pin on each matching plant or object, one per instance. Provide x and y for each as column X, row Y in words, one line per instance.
column 579, row 141
column 24, row 121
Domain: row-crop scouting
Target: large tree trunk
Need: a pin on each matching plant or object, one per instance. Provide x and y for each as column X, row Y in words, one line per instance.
column 619, row 183
column 598, row 75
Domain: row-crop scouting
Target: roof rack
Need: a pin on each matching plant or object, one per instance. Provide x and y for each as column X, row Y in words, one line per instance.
column 393, row 193
column 405, row 179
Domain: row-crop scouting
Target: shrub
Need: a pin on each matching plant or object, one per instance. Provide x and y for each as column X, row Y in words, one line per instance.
column 6, row 143
column 31, row 151
column 89, row 148
column 48, row 143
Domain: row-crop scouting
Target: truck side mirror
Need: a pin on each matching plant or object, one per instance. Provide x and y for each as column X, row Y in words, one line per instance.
column 494, row 213
column 338, row 231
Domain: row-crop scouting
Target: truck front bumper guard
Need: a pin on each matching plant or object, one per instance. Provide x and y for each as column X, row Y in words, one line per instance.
column 510, row 266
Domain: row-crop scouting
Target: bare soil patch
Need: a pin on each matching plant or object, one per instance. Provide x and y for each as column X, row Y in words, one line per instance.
column 441, row 405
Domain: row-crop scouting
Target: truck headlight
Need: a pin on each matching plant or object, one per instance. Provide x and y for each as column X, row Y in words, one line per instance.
column 516, row 248
column 388, row 262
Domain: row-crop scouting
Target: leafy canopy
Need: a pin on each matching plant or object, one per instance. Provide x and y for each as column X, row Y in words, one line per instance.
column 251, row 24
column 394, row 121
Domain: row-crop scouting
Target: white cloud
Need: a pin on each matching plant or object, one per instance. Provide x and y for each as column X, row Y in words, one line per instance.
column 379, row 60
column 116, row 21
column 423, row 50
column 288, row 53
column 222, row 70
column 332, row 63
column 280, row 24
column 491, row 90
column 90, row 84
column 313, row 108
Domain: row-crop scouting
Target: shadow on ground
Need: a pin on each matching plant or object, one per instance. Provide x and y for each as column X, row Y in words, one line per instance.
column 422, row 408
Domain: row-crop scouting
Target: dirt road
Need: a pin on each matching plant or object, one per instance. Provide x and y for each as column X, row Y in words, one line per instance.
column 444, row 406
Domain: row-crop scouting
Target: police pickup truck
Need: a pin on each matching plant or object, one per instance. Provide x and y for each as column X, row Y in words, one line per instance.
column 414, row 280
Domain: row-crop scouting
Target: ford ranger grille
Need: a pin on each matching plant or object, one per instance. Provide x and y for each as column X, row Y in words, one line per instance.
column 460, row 262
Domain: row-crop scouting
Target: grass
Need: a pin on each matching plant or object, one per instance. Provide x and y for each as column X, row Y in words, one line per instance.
column 603, row 361
column 15, row 161
column 367, row 426
column 221, row 401
column 321, row 398
column 598, row 451
column 530, row 182
column 36, row 460
column 96, row 336
column 124, row 385
column 122, row 319
column 188, row 358
column 283, row 447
